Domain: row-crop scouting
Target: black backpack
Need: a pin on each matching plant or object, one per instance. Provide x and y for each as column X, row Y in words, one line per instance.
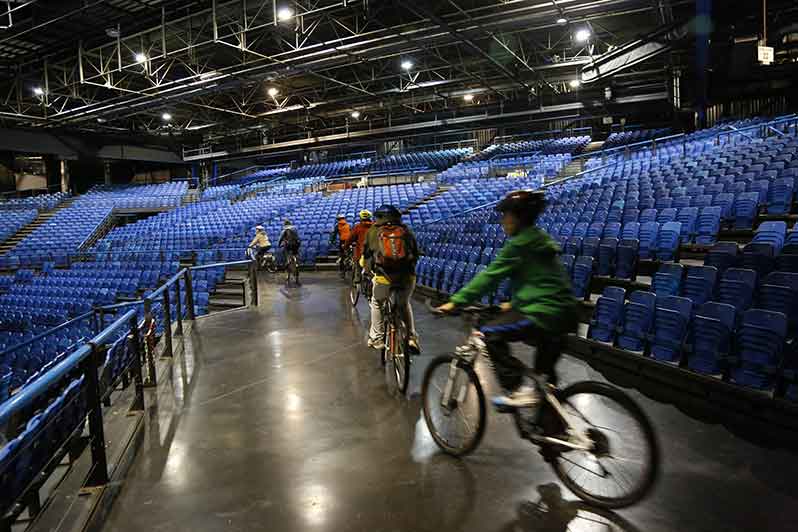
column 291, row 238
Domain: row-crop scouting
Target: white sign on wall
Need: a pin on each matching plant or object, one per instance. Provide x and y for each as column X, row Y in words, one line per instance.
column 764, row 54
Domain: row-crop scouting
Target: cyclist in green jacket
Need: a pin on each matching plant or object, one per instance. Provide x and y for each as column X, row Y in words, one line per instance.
column 542, row 311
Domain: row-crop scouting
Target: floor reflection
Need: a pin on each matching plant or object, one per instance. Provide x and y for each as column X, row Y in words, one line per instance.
column 552, row 513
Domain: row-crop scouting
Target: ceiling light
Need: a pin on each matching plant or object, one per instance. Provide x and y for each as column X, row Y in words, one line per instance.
column 101, row 120
column 407, row 65
column 582, row 35
column 112, row 32
column 562, row 21
column 285, row 13
column 355, row 114
column 469, row 97
column 574, row 83
column 38, row 91
column 273, row 91
column 166, row 117
column 140, row 58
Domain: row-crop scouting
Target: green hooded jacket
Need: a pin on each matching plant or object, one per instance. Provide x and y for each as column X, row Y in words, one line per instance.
column 540, row 287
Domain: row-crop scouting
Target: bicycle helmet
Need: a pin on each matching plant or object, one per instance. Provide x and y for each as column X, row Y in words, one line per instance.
column 340, row 217
column 365, row 214
column 526, row 204
column 259, row 228
column 286, row 222
column 388, row 212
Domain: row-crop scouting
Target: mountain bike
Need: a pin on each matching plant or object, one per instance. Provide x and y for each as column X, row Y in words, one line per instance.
column 361, row 285
column 591, row 433
column 395, row 354
column 265, row 261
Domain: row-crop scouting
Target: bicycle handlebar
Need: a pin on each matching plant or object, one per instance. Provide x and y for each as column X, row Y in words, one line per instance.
column 475, row 309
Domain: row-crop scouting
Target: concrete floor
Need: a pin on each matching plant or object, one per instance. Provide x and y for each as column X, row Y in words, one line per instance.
column 278, row 419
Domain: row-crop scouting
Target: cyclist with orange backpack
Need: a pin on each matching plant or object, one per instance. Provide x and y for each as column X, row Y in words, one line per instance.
column 390, row 254
column 357, row 240
column 342, row 231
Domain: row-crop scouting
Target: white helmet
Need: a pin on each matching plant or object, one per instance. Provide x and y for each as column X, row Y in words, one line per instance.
column 259, row 228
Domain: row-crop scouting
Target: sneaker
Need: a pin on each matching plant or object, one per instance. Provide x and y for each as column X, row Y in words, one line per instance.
column 526, row 396
column 413, row 346
column 376, row 344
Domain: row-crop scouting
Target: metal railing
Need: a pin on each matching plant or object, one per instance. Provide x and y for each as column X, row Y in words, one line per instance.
column 133, row 329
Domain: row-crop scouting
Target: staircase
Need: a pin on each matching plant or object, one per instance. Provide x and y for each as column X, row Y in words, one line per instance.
column 577, row 165
column 426, row 199
column 231, row 292
column 25, row 231
column 593, row 146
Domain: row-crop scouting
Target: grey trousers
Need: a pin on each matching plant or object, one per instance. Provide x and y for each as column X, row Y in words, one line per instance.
column 380, row 294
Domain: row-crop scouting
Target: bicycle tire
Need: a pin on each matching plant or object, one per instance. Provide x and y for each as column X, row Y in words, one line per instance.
column 354, row 292
column 428, row 394
column 401, row 356
column 625, row 402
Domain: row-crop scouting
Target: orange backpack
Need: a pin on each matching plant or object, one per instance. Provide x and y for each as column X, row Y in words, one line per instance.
column 393, row 249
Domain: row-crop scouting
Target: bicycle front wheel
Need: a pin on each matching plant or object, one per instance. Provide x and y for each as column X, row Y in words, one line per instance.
column 397, row 356
column 454, row 405
column 623, row 464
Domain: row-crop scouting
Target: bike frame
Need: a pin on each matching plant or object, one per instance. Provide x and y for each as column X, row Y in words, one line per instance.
column 469, row 354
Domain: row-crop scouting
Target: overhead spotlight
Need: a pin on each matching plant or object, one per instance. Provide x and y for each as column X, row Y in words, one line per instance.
column 469, row 97
column 574, row 83
column 101, row 120
column 112, row 32
column 273, row 91
column 285, row 13
column 582, row 35
column 407, row 65
column 140, row 58
column 562, row 21
column 355, row 114
column 166, row 117
column 38, row 91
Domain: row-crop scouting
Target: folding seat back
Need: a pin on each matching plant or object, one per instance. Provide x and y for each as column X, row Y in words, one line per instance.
column 761, row 187
column 745, row 210
column 780, row 195
column 722, row 255
column 608, row 248
column 668, row 280
column 631, row 231
column 612, row 230
column 666, row 215
column 631, row 215
column 568, row 263
column 573, row 246
column 774, row 233
column 759, row 257
column 668, row 241
column 708, row 226
column 682, row 202
column 581, row 277
column 648, row 239
column 590, row 247
column 595, row 230
column 699, row 284
column 726, row 202
column 737, row 288
column 759, row 345
column 648, row 215
column 671, row 319
column 607, row 315
column 637, row 319
column 710, row 338
column 779, row 293
column 580, row 229
column 702, row 201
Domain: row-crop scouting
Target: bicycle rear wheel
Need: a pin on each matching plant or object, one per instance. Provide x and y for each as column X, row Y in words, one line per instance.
column 457, row 426
column 624, row 462
column 397, row 358
column 354, row 292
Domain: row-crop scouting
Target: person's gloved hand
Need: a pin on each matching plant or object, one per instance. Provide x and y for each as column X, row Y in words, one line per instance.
column 446, row 308
column 506, row 306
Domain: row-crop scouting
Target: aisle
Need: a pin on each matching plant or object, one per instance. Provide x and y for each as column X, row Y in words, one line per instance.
column 278, row 419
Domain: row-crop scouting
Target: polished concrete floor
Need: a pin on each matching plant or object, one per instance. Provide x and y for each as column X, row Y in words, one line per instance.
column 278, row 419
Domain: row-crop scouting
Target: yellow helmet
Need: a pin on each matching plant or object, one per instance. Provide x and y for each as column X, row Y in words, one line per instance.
column 365, row 214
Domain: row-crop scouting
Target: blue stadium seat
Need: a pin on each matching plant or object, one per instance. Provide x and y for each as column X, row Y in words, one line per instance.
column 668, row 280
column 568, row 263
column 669, row 331
column 668, row 241
column 780, row 195
column 608, row 248
column 699, row 284
column 581, row 277
column 710, row 340
column 745, row 210
column 626, row 259
column 637, row 321
column 708, row 226
column 573, row 246
column 737, row 288
column 607, row 315
column 648, row 240
column 779, row 293
column 722, row 255
column 759, row 345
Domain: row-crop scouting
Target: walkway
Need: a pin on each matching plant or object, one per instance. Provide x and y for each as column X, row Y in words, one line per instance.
column 278, row 419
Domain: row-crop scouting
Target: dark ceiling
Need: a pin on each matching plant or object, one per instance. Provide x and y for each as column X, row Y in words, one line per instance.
column 204, row 69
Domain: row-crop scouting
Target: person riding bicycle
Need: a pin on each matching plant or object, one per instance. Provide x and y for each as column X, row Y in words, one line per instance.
column 342, row 231
column 260, row 243
column 390, row 253
column 357, row 240
column 542, row 311
column 290, row 242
